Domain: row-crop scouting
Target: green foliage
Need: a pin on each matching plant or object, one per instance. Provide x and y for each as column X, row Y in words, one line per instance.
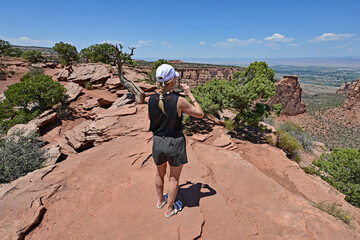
column 33, row 56
column 152, row 73
column 104, row 53
column 19, row 155
column 89, row 86
column 334, row 210
column 277, row 108
column 39, row 89
column 310, row 169
column 215, row 95
column 4, row 47
column 14, row 52
column 33, row 72
column 341, row 169
column 245, row 94
column 299, row 134
column 67, row 53
column 229, row 124
column 289, row 144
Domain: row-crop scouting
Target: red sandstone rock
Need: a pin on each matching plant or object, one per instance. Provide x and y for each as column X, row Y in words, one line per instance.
column 353, row 100
column 345, row 87
column 288, row 93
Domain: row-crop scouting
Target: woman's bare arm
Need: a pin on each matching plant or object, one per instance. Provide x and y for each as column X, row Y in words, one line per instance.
column 185, row 107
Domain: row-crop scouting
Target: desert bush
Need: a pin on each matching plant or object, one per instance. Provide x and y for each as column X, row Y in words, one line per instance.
column 39, row 89
column 104, row 53
column 32, row 56
column 67, row 53
column 341, row 169
column 289, row 144
column 229, row 124
column 4, row 47
column 152, row 73
column 33, row 72
column 277, row 108
column 334, row 210
column 19, row 155
column 299, row 134
column 89, row 86
column 244, row 93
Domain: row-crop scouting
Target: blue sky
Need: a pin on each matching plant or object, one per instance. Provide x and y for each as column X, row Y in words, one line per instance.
column 190, row 29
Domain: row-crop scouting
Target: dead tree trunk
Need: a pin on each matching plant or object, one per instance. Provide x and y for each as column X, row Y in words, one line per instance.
column 120, row 58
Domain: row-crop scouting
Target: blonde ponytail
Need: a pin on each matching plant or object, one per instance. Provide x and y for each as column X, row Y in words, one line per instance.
column 161, row 99
column 161, row 87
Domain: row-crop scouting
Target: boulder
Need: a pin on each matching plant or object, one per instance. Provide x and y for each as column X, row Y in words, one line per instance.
column 25, row 128
column 77, row 139
column 113, row 83
column 126, row 99
column 73, row 90
column 90, row 104
column 63, row 75
column 353, row 100
column 122, row 92
column 345, row 88
column 52, row 155
column 39, row 65
column 44, row 119
column 146, row 87
column 117, row 112
column 94, row 74
column 105, row 102
column 51, row 64
column 288, row 93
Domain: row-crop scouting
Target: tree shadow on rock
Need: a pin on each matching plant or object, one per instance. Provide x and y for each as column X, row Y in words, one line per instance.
column 251, row 134
column 191, row 193
column 196, row 125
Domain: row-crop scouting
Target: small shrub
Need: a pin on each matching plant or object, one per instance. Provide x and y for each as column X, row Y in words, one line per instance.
column 310, row 169
column 334, row 210
column 39, row 89
column 341, row 169
column 270, row 140
column 33, row 56
column 89, row 86
column 299, row 134
column 19, row 155
column 34, row 71
column 277, row 108
column 229, row 124
column 289, row 144
column 67, row 53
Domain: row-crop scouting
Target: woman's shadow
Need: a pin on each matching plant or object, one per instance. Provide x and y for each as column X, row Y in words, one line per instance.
column 190, row 193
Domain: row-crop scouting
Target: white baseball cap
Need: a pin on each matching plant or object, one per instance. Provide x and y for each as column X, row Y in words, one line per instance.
column 165, row 72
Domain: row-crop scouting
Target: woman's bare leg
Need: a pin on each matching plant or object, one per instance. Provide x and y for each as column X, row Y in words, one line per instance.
column 159, row 182
column 173, row 186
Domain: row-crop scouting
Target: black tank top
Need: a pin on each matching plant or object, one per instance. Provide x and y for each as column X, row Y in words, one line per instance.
column 169, row 125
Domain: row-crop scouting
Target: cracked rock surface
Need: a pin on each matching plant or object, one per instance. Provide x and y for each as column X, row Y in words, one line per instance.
column 231, row 189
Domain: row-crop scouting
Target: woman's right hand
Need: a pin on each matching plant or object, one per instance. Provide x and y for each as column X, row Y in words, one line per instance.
column 186, row 89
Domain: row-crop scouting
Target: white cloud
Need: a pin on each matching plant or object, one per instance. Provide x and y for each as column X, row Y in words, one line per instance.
column 166, row 44
column 326, row 37
column 141, row 43
column 234, row 42
column 112, row 42
column 277, row 37
column 201, row 43
column 26, row 41
column 293, row 44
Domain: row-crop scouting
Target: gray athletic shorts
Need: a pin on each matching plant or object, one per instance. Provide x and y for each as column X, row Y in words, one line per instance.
column 169, row 149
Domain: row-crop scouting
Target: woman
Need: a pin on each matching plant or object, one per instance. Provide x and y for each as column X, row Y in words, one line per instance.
column 165, row 114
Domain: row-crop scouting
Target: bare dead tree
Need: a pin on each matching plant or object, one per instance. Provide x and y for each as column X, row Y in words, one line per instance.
column 120, row 58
